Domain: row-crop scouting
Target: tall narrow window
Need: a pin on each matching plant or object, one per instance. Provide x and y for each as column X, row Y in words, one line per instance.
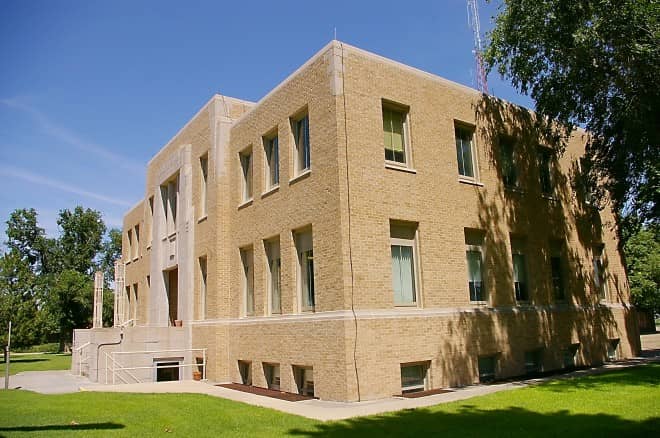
column 137, row 249
column 474, row 255
column 600, row 274
column 170, row 196
column 304, row 248
column 395, row 121
column 403, row 250
column 464, row 151
column 274, row 275
column 150, row 222
column 508, row 163
column 544, row 158
column 202, row 288
column 129, row 239
column 520, row 282
column 557, row 270
column 136, row 304
column 272, row 150
column 246, row 172
column 248, row 280
column 301, row 140
column 204, row 175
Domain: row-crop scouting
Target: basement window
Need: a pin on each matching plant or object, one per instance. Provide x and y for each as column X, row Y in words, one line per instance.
column 414, row 377
column 487, row 365
column 245, row 370
column 272, row 375
column 304, row 377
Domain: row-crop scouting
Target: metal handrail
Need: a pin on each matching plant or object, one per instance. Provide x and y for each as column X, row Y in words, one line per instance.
column 114, row 370
column 120, row 367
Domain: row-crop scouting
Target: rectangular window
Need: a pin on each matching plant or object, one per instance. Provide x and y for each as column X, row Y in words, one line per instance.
column 248, row 280
column 246, row 173
column 414, row 377
column 487, row 366
column 272, row 375
column 170, row 196
column 136, row 305
column 508, row 163
column 585, row 183
column 464, row 151
column 245, row 369
column 395, row 127
column 404, row 270
column 150, row 222
column 557, row 270
column 600, row 273
column 304, row 377
column 520, row 282
column 568, row 355
column 533, row 361
column 544, row 158
column 272, row 150
column 612, row 349
column 202, row 288
column 274, row 275
column 474, row 256
column 204, row 172
column 301, row 140
column 137, row 249
column 304, row 248
column 129, row 238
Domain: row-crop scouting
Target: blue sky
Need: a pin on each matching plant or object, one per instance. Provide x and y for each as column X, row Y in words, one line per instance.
column 90, row 90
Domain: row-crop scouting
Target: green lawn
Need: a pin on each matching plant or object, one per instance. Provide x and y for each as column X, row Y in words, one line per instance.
column 620, row 403
column 35, row 362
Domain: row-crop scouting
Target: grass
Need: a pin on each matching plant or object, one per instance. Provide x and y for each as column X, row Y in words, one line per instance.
column 41, row 348
column 20, row 362
column 619, row 403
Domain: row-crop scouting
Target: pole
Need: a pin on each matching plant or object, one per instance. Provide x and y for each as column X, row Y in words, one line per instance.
column 7, row 356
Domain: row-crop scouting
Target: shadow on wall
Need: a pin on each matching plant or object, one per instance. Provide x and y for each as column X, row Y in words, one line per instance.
column 524, row 212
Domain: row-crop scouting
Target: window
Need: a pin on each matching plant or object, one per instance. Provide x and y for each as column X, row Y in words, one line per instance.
column 302, row 156
column 556, row 270
column 487, row 366
column 272, row 150
column 404, row 272
column 508, row 163
column 202, row 288
column 533, row 361
column 136, row 248
column 600, row 274
column 248, row 280
column 246, row 172
column 304, row 377
column 274, row 275
column 150, row 222
column 568, row 355
column 204, row 172
column 272, row 374
column 544, row 157
column 612, row 348
column 585, row 182
column 304, row 248
column 520, row 283
column 414, row 377
column 136, row 305
column 245, row 370
column 465, row 151
column 395, row 127
column 170, row 196
column 474, row 256
column 129, row 238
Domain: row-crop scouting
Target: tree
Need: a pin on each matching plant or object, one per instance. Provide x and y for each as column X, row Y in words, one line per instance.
column 111, row 253
column 592, row 63
column 81, row 239
column 642, row 251
column 70, row 303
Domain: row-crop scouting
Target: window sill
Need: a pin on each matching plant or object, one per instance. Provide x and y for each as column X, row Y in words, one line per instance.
column 149, row 247
column 245, row 204
column 306, row 173
column 202, row 219
column 405, row 306
column 135, row 259
column 479, row 303
column 549, row 197
column 171, row 236
column 270, row 191
column 400, row 167
column 308, row 310
column 470, row 181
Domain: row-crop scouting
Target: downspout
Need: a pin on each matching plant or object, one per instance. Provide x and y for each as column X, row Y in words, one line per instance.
column 98, row 349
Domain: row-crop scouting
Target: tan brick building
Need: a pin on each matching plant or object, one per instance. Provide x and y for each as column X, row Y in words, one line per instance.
column 365, row 229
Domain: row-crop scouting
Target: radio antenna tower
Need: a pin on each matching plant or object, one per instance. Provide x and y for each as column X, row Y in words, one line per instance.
column 473, row 22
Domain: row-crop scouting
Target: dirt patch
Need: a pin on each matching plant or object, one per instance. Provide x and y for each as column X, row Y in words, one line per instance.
column 280, row 395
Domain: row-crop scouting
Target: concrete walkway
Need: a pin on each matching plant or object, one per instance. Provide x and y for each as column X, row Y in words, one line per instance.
column 52, row 382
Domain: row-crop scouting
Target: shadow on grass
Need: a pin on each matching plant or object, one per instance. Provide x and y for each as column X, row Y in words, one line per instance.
column 646, row 375
column 71, row 427
column 15, row 360
column 510, row 422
